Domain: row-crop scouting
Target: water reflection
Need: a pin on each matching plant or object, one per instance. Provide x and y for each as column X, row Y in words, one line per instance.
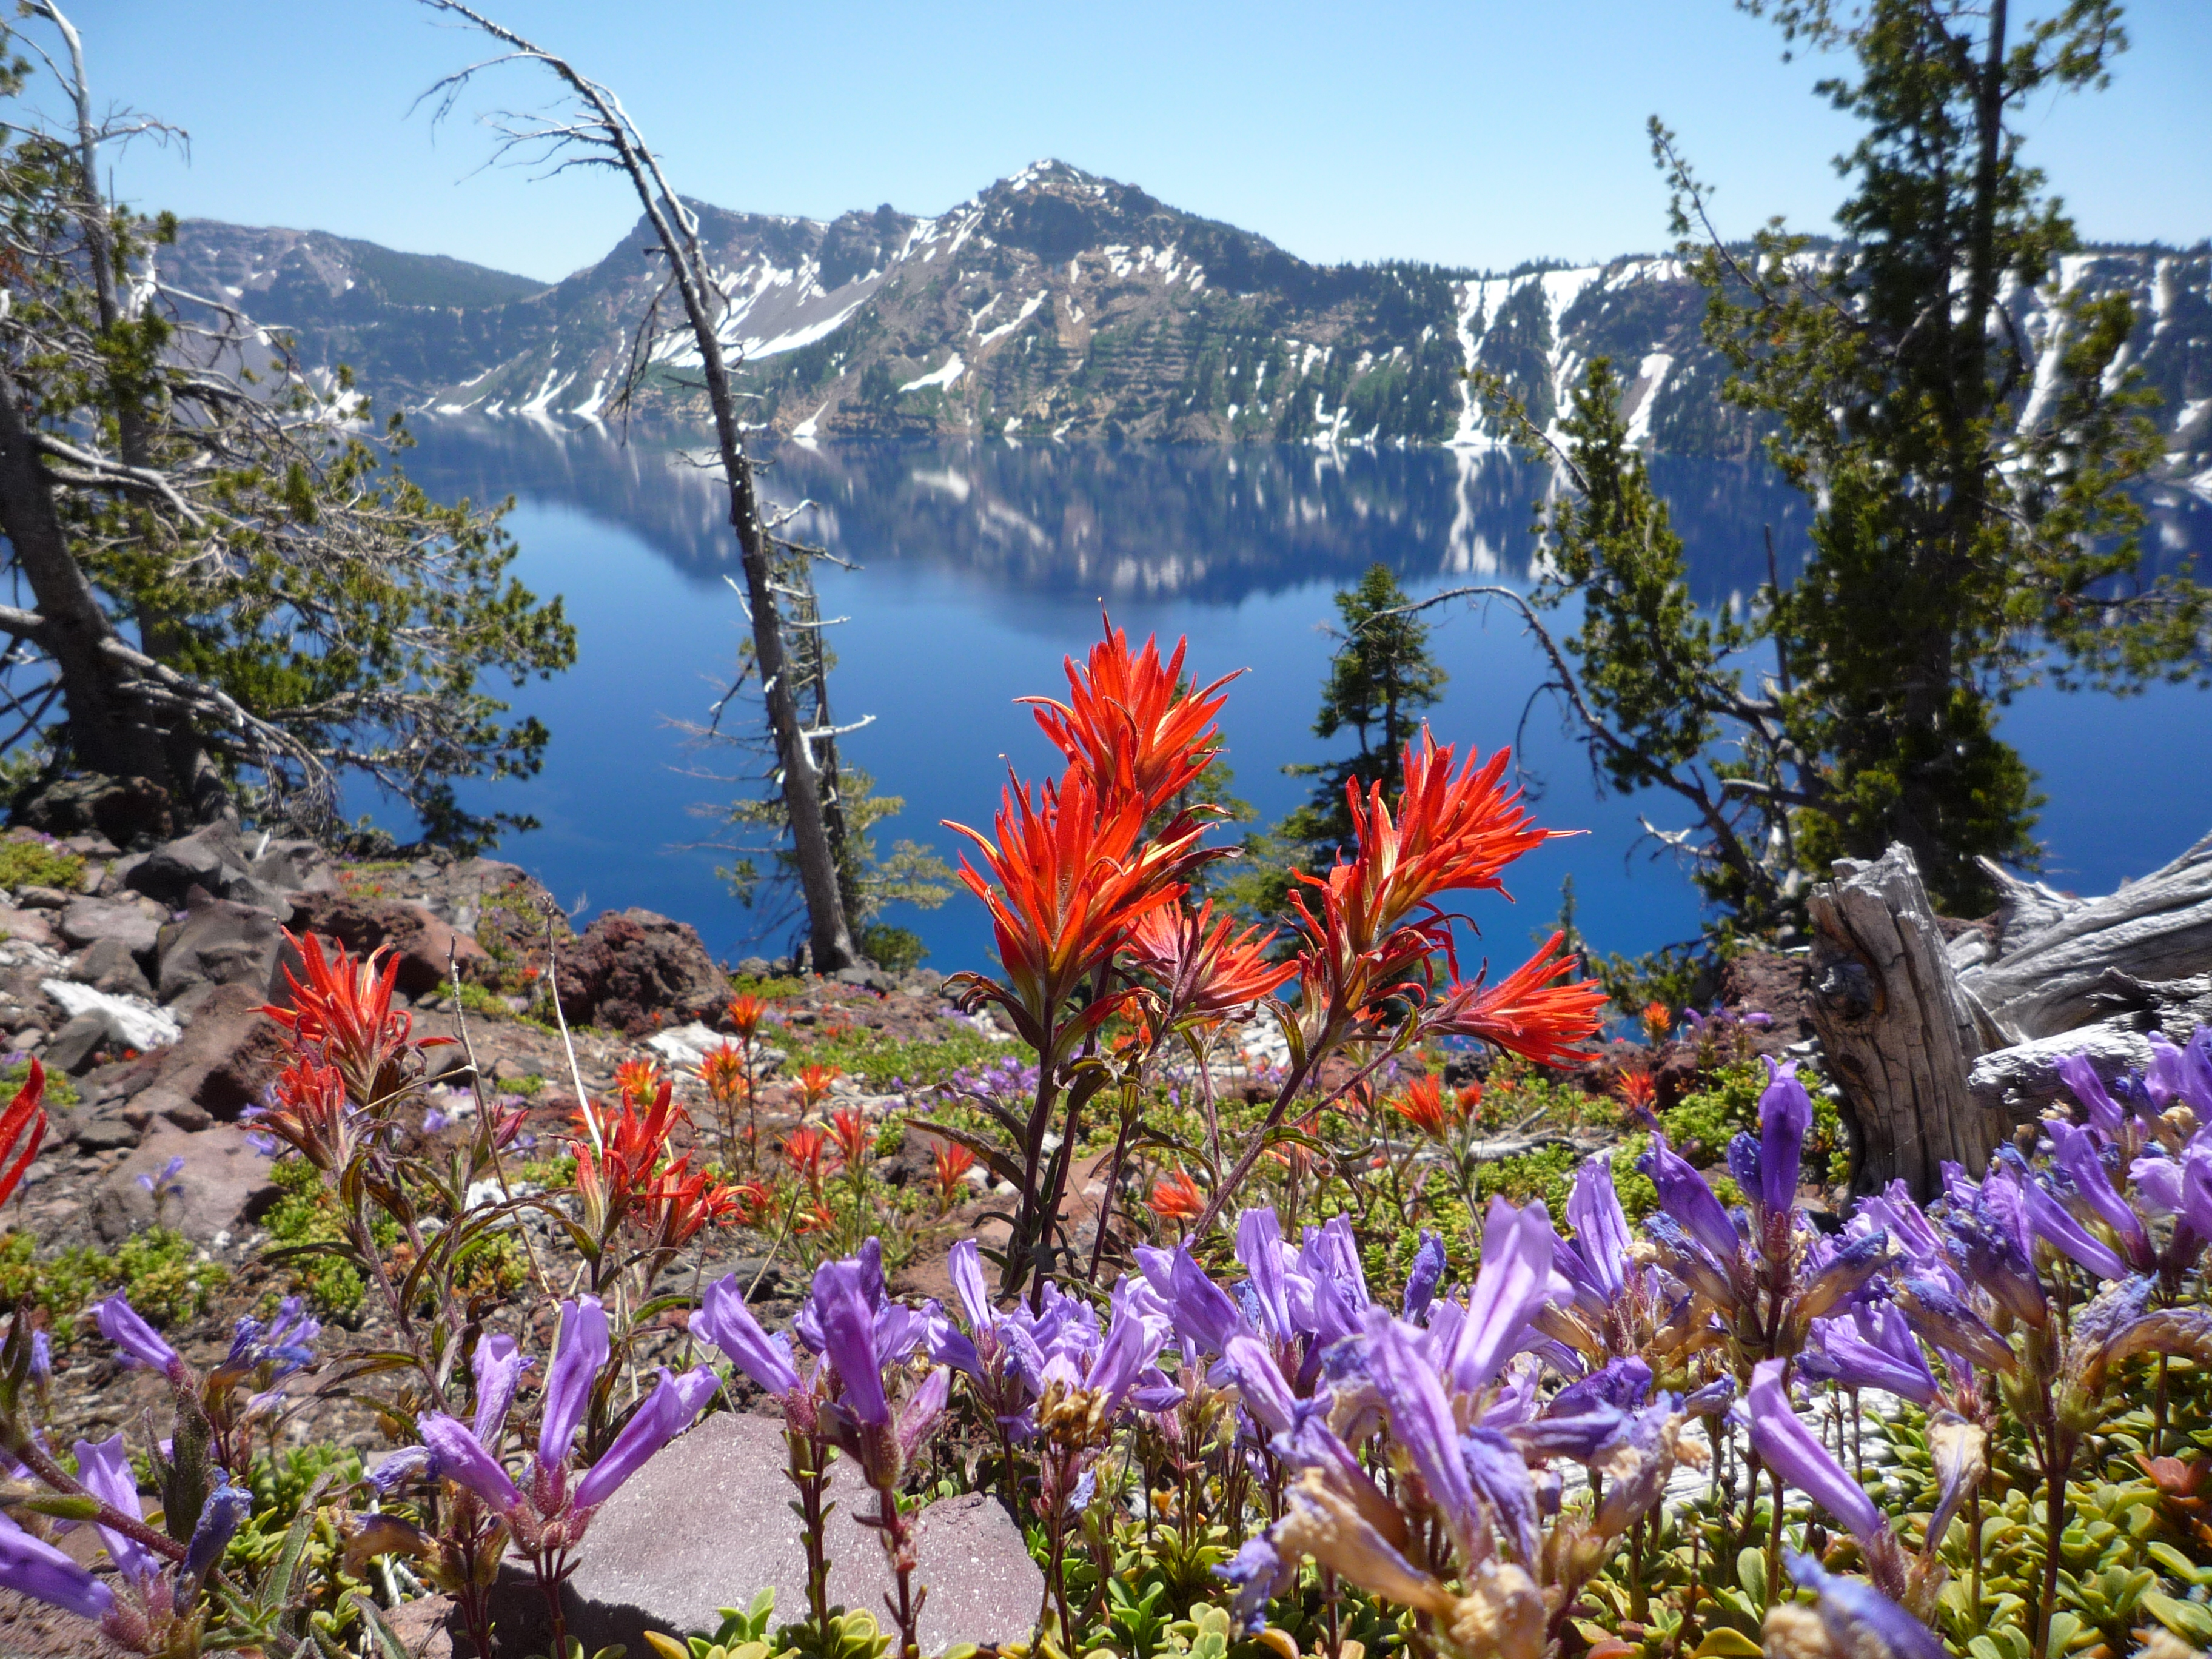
column 1212, row 525
column 982, row 564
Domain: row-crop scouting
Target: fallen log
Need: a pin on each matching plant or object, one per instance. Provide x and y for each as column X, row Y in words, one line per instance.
column 2022, row 1080
column 2054, row 954
column 1897, row 1031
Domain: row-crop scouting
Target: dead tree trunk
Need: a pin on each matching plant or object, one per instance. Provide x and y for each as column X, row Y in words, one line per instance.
column 1898, row 1032
column 606, row 133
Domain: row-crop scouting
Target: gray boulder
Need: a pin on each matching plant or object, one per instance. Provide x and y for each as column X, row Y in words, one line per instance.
column 107, row 964
column 213, row 860
column 136, row 924
column 220, row 942
column 80, row 1038
column 707, row 1525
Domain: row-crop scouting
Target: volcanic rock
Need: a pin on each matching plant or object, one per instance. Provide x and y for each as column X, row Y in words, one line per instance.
column 635, row 971
column 226, row 1182
column 707, row 1525
column 27, row 925
column 128, row 812
column 134, row 923
column 108, row 964
column 424, row 942
column 220, row 942
column 229, row 1053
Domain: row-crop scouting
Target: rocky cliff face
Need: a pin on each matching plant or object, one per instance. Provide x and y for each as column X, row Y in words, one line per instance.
column 1060, row 305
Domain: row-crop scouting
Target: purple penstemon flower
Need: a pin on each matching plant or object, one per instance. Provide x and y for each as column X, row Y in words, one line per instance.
column 1875, row 1350
column 666, row 1413
column 104, row 1470
column 1420, row 1418
column 31, row 1567
column 1793, row 1454
column 2078, row 1153
column 141, row 1345
column 724, row 1320
column 1940, row 1314
column 220, row 1517
column 1785, row 1113
column 1424, row 1279
column 1684, row 1195
column 2051, row 1222
column 1851, row 1618
column 498, row 1365
column 1514, row 1280
column 580, row 1353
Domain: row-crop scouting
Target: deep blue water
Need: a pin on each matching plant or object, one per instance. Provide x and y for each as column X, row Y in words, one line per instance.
column 983, row 565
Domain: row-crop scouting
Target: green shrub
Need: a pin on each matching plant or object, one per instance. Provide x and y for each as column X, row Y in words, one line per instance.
column 894, row 950
column 157, row 1269
column 27, row 863
column 61, row 1090
column 309, row 1214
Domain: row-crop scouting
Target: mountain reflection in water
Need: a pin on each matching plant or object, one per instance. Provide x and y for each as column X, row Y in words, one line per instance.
column 983, row 564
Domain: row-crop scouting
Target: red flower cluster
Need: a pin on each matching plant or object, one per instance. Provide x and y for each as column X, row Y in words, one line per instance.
column 26, row 1114
column 1130, row 727
column 1175, row 1197
column 952, row 1163
column 1428, row 1109
column 1084, row 880
column 633, row 1179
column 343, row 1018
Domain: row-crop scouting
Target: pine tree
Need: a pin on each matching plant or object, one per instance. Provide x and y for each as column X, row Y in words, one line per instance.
column 1973, row 531
column 1380, row 679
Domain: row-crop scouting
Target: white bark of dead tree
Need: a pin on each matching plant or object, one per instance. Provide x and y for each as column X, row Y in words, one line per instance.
column 1897, row 1031
column 2051, row 978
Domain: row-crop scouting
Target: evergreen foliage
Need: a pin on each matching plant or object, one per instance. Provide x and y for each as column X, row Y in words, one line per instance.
column 1380, row 679
column 1973, row 532
column 301, row 609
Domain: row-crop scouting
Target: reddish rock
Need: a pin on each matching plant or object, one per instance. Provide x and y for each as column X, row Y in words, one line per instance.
column 227, row 1055
column 224, row 1180
column 635, row 971
column 1768, row 982
column 423, row 944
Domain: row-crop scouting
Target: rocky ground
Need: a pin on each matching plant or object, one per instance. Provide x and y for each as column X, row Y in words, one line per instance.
column 142, row 982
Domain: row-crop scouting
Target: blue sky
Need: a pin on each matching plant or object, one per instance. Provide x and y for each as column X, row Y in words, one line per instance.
column 1477, row 134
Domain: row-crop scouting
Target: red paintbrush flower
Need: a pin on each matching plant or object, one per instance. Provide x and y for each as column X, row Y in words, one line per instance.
column 1073, row 876
column 746, row 1012
column 1425, row 1106
column 342, row 1017
column 26, row 1115
column 310, row 1114
column 636, row 1145
column 722, row 1069
column 1175, row 1197
column 672, row 1209
column 637, row 1080
column 850, row 1131
column 803, row 1151
column 1379, row 922
column 1204, row 970
column 953, row 1162
column 1638, row 1091
column 814, row 1082
column 1525, row 1013
column 756, row 1200
column 1129, row 726
column 1657, row 1020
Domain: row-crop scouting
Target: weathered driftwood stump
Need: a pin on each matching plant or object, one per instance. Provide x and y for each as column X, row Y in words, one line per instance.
column 2057, row 957
column 1899, row 1033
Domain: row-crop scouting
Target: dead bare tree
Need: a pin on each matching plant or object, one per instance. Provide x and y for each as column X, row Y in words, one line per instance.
column 594, row 130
